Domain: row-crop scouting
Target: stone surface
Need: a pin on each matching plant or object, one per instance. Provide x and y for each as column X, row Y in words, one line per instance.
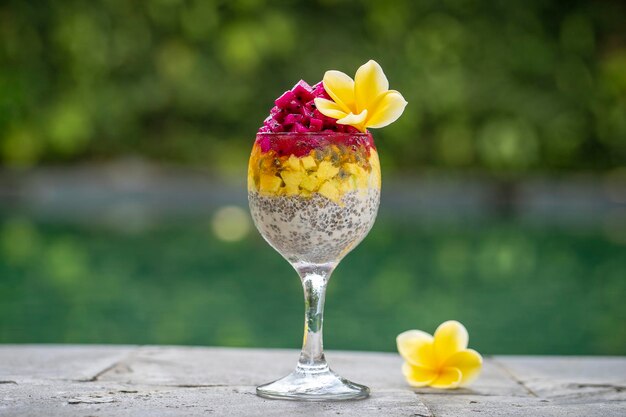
column 193, row 381
column 32, row 363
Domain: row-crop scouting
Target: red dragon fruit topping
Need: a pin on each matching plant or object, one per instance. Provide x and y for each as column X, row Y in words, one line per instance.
column 292, row 118
column 295, row 111
column 315, row 125
column 300, row 128
column 303, row 91
column 284, row 100
column 264, row 143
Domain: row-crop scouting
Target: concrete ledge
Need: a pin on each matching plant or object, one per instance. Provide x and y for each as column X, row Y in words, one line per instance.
column 55, row 380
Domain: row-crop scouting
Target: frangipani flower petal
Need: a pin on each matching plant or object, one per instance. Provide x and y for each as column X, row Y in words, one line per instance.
column 450, row 337
column 416, row 347
column 356, row 120
column 448, row 378
column 370, row 83
column 388, row 109
column 468, row 361
column 330, row 108
column 418, row 376
column 341, row 88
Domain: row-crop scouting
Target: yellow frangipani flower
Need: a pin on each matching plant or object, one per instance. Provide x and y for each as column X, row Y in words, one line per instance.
column 442, row 361
column 363, row 102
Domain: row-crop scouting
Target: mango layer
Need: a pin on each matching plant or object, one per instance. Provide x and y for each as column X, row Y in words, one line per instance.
column 331, row 172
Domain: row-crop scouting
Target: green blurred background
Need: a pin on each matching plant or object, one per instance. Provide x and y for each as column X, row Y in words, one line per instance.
column 125, row 129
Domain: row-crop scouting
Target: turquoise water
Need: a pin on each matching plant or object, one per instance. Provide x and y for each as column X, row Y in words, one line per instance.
column 518, row 288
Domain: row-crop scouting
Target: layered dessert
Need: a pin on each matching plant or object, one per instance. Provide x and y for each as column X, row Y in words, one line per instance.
column 313, row 184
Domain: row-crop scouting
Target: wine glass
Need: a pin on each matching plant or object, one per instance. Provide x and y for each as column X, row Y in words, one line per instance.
column 313, row 198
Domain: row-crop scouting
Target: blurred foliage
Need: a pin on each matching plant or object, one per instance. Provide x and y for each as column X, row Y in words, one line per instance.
column 500, row 86
column 518, row 288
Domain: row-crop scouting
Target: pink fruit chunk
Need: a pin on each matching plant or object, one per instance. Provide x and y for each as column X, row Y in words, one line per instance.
column 295, row 106
column 303, row 91
column 277, row 113
column 347, row 129
column 299, row 127
column 284, row 100
column 273, row 125
column 265, row 143
column 293, row 118
column 319, row 91
column 315, row 125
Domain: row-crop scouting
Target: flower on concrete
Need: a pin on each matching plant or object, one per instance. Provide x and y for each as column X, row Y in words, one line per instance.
column 439, row 361
column 363, row 102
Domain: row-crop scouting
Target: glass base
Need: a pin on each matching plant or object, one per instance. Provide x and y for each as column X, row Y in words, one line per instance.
column 313, row 385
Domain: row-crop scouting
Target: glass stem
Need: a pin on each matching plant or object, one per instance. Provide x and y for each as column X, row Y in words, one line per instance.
column 314, row 280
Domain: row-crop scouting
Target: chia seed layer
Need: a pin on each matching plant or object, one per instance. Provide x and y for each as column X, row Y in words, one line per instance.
column 314, row 229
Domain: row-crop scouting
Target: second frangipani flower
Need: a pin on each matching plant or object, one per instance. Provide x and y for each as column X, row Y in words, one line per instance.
column 363, row 102
column 439, row 361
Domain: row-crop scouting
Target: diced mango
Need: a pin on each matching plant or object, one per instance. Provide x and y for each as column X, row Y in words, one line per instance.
column 360, row 175
column 375, row 164
column 373, row 159
column 266, row 163
column 270, row 183
column 310, row 182
column 352, row 168
column 362, row 181
column 294, row 163
column 347, row 185
column 326, row 170
column 329, row 190
column 292, row 178
column 356, row 170
column 251, row 185
column 308, row 162
column 291, row 189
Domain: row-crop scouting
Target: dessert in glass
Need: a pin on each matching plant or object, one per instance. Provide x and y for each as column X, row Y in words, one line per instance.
column 314, row 190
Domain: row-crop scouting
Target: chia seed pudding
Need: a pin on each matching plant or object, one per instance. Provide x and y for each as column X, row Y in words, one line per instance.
column 314, row 229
